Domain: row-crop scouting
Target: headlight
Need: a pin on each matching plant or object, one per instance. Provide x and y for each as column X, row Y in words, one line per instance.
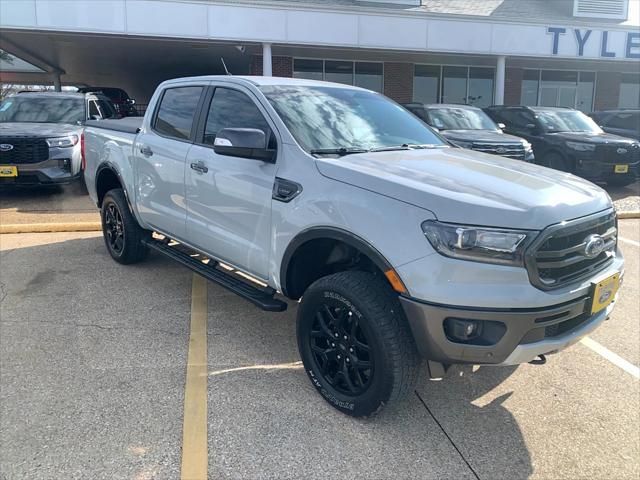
column 479, row 244
column 581, row 147
column 62, row 142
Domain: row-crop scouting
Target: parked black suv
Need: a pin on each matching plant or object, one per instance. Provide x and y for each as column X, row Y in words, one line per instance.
column 620, row 122
column 469, row 127
column 568, row 140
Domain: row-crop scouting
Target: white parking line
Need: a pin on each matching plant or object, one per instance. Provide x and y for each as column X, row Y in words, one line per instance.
column 614, row 358
column 630, row 242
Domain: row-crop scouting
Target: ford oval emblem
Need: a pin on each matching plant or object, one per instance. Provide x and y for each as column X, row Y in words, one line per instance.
column 501, row 150
column 622, row 151
column 5, row 147
column 593, row 246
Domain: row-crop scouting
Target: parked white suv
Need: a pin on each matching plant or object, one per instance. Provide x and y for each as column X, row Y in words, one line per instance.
column 398, row 246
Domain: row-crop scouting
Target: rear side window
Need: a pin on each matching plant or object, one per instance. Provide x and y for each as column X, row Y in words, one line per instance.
column 627, row 121
column 100, row 108
column 232, row 109
column 176, row 112
column 516, row 119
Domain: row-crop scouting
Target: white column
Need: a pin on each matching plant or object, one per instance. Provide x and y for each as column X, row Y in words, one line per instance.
column 500, row 75
column 57, row 84
column 266, row 60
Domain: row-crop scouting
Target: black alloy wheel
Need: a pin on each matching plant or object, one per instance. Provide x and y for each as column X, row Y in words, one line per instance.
column 114, row 229
column 341, row 350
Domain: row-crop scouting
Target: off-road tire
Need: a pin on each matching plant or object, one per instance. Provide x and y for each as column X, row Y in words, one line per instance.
column 130, row 249
column 396, row 361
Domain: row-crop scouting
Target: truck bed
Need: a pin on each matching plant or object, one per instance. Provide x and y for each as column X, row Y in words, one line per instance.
column 128, row 124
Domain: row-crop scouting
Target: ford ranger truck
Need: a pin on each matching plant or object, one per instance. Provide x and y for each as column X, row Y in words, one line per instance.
column 396, row 250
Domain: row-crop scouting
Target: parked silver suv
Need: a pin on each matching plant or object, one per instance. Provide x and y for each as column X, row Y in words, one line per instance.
column 397, row 246
column 40, row 135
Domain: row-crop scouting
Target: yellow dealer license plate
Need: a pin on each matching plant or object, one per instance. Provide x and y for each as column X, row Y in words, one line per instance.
column 7, row 171
column 621, row 168
column 604, row 293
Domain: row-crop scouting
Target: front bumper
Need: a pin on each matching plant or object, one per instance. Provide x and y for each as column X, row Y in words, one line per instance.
column 603, row 171
column 513, row 336
column 50, row 172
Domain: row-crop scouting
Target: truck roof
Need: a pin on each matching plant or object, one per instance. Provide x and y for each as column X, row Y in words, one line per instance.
column 261, row 81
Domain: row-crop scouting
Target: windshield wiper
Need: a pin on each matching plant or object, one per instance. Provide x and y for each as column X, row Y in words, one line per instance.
column 405, row 146
column 337, row 151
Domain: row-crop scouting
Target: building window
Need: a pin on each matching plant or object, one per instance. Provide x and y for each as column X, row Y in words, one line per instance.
column 480, row 87
column 629, row 91
column 451, row 84
column 367, row 75
column 558, row 88
column 426, row 84
column 454, row 84
column 309, row 69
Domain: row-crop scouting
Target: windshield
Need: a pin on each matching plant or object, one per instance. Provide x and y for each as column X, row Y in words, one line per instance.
column 451, row 118
column 567, row 121
column 45, row 109
column 325, row 118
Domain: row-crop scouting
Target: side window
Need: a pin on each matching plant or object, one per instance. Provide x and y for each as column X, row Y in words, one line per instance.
column 624, row 120
column 176, row 112
column 93, row 109
column 517, row 119
column 233, row 109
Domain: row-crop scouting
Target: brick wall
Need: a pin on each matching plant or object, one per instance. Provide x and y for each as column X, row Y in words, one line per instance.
column 607, row 90
column 513, row 86
column 280, row 66
column 398, row 81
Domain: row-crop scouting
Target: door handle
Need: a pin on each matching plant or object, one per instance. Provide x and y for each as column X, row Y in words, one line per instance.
column 199, row 167
column 146, row 150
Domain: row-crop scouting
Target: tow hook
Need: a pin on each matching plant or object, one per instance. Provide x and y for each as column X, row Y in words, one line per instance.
column 539, row 360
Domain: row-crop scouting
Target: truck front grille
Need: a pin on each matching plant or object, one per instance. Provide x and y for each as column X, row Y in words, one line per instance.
column 559, row 255
column 509, row 150
column 23, row 150
column 615, row 154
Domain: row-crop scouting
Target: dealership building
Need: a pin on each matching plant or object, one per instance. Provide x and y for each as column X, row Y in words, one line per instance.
column 575, row 53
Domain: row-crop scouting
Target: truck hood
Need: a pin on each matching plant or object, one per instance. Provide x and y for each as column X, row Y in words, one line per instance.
column 44, row 130
column 463, row 186
column 488, row 136
column 595, row 138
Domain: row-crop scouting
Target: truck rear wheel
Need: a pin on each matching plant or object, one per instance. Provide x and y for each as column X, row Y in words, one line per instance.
column 122, row 234
column 355, row 343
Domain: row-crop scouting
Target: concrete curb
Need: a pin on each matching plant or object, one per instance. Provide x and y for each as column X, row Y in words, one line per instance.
column 51, row 227
column 628, row 215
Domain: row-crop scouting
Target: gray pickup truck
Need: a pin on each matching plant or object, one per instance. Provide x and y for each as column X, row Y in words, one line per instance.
column 400, row 250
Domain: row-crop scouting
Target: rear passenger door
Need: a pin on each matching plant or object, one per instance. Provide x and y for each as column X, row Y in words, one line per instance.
column 160, row 155
column 229, row 198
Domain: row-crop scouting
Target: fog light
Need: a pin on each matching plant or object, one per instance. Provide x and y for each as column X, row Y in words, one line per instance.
column 461, row 330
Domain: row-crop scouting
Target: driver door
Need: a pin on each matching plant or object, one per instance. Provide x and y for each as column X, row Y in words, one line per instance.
column 229, row 198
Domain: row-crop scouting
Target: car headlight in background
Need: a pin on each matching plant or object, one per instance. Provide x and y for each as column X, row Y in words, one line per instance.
column 581, row 147
column 479, row 244
column 63, row 142
column 528, row 152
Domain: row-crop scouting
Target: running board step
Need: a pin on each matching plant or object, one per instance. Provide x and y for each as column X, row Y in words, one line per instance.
column 262, row 298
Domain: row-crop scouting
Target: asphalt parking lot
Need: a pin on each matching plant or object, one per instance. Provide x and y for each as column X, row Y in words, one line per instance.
column 93, row 362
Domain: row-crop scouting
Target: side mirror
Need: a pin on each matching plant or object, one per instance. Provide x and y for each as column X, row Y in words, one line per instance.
column 502, row 126
column 244, row 143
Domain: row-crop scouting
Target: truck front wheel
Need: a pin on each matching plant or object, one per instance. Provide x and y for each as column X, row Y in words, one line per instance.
column 122, row 234
column 355, row 343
